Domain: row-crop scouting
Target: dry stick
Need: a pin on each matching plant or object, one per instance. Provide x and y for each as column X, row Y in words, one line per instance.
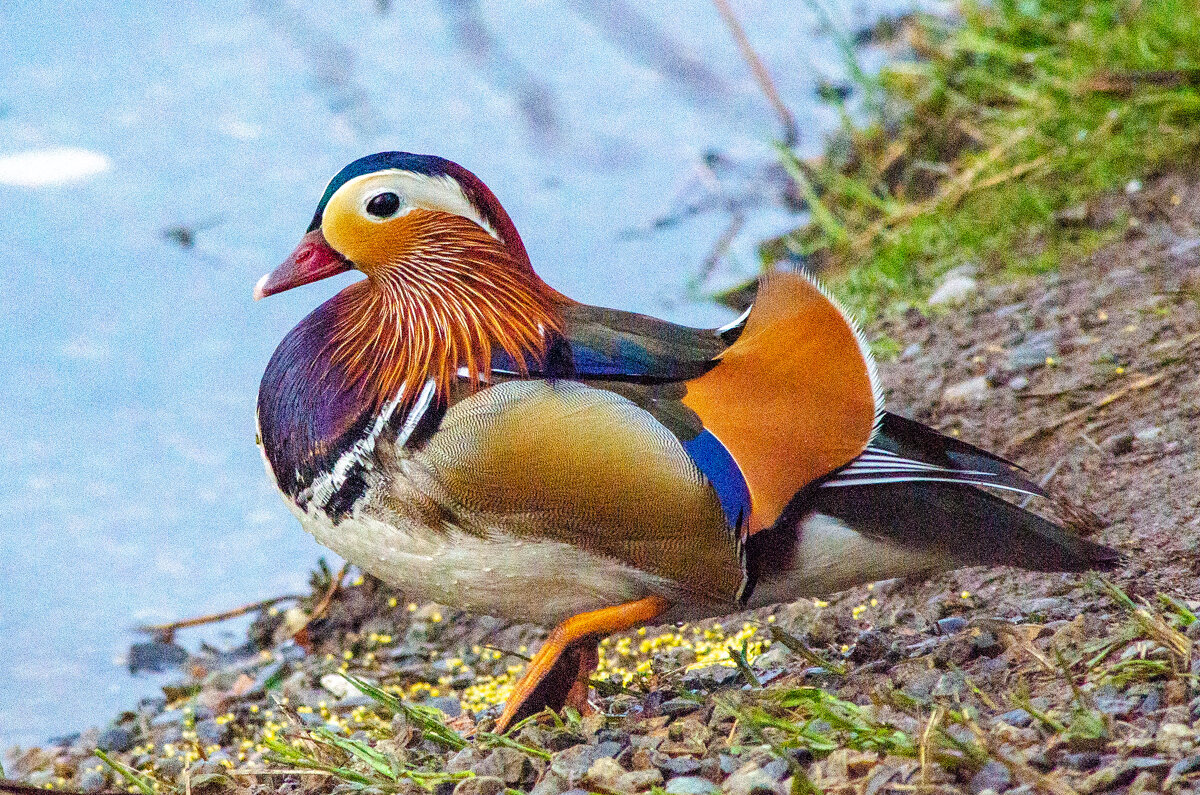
column 935, row 720
column 790, row 134
column 1045, row 479
column 1141, row 383
column 949, row 196
column 1014, row 172
column 166, row 631
column 721, row 247
column 327, row 599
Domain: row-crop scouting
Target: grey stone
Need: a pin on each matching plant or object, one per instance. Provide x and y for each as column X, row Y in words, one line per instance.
column 711, row 676
column 992, row 776
column 463, row 760
column 752, row 782
column 950, row 685
column 449, row 705
column 1113, row 703
column 169, row 767
column 210, row 732
column 94, row 778
column 573, row 763
column 681, row 706
column 156, row 657
column 1150, row 434
column 1017, row 717
column 115, row 739
column 479, row 785
column 986, row 643
column 508, row 764
column 604, row 772
column 679, row 766
column 338, row 685
column 955, row 289
column 550, row 784
column 1151, row 703
column 638, row 780
column 1186, row 250
column 1034, row 351
column 951, row 625
column 1048, row 606
column 1182, row 768
column 777, row 769
column 971, row 390
column 691, row 785
column 1084, row 760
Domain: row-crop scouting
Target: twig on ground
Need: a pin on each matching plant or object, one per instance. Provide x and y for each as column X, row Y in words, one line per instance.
column 1141, row 383
column 1126, row 83
column 327, row 599
column 166, row 632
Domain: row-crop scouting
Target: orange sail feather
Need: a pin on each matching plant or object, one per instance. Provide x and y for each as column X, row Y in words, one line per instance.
column 793, row 399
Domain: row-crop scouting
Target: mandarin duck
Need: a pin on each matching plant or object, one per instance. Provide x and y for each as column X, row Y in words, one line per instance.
column 456, row 427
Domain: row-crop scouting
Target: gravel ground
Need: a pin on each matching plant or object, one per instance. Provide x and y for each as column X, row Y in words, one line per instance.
column 979, row 681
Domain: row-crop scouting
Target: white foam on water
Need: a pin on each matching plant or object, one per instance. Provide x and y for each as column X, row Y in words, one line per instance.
column 42, row 167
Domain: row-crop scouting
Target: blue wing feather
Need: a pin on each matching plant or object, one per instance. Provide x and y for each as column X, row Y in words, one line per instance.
column 723, row 473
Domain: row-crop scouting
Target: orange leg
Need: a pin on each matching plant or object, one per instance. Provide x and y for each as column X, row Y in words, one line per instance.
column 553, row 676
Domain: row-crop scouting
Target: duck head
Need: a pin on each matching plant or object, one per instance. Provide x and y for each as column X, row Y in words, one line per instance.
column 448, row 286
column 380, row 211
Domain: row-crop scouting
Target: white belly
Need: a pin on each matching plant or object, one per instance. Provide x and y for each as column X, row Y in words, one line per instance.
column 543, row 582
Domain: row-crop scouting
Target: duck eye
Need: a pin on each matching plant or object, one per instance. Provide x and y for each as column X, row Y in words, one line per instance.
column 384, row 205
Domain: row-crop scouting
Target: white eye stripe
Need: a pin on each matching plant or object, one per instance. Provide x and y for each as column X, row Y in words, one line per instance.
column 416, row 191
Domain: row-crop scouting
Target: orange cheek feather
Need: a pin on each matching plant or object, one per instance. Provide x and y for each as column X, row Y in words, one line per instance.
column 370, row 245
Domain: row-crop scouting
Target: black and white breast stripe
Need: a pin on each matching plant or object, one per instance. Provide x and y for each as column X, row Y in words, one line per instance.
column 335, row 492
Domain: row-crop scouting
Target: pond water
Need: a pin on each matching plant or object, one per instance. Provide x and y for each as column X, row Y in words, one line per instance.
column 132, row 491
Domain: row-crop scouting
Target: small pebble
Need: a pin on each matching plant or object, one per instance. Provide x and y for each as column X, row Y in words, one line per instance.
column 479, row 785
column 115, row 740
column 1017, row 717
column 212, row 733
column 1150, row 434
column 971, row 390
column 992, row 776
column 338, row 685
column 954, row 290
column 93, row 779
column 691, row 785
column 951, row 625
column 681, row 706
